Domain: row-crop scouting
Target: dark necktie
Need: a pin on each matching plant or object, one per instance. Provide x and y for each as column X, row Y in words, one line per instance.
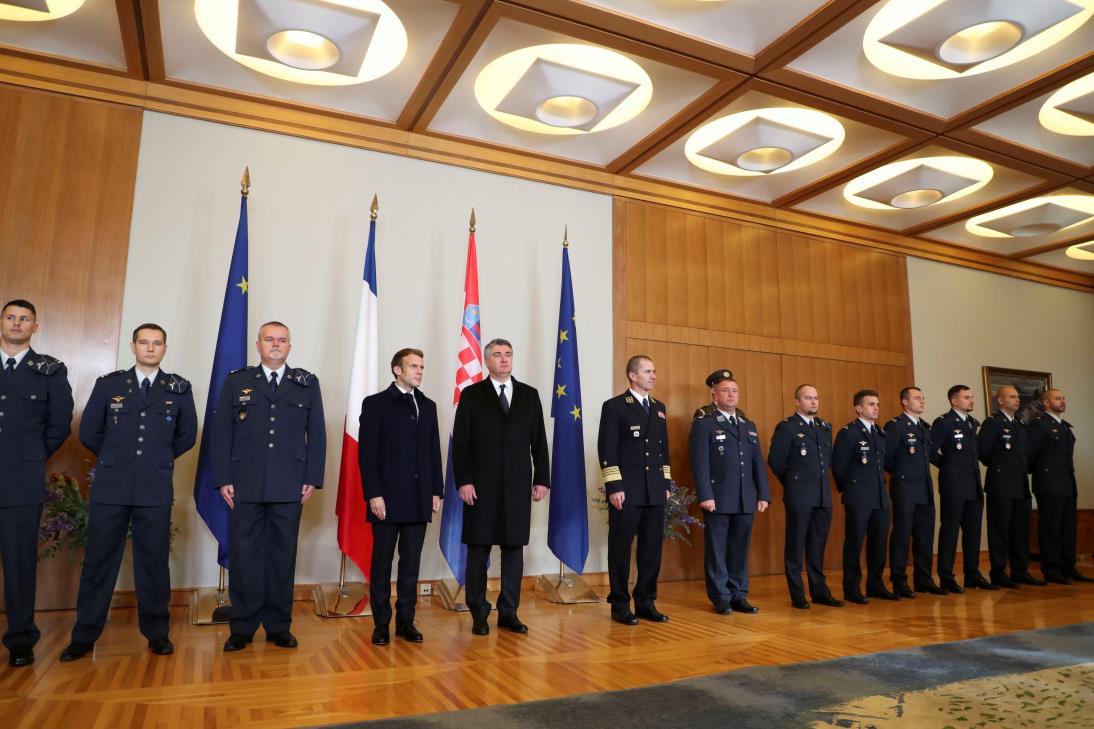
column 273, row 382
column 9, row 368
column 504, row 401
column 413, row 405
column 646, row 405
column 144, row 389
column 733, row 420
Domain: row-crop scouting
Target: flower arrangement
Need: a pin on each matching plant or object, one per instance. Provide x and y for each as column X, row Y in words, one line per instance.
column 64, row 517
column 678, row 519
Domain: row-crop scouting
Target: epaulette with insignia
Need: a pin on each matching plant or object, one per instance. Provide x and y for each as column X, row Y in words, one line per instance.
column 789, row 420
column 115, row 373
column 300, row 376
column 704, row 411
column 823, row 423
column 241, row 369
column 174, row 383
column 43, row 364
column 893, row 420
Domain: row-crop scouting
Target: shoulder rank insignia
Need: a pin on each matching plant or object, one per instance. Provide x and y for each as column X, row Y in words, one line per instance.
column 174, row 383
column 115, row 373
column 43, row 364
column 629, row 400
column 699, row 414
column 241, row 369
column 300, row 377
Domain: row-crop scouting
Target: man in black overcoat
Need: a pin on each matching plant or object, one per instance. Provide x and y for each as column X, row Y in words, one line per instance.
column 499, row 453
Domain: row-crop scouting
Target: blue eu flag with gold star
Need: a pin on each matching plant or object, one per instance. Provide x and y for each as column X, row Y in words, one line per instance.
column 568, row 524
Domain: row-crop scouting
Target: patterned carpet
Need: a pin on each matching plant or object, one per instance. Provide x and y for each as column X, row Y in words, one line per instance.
column 1039, row 678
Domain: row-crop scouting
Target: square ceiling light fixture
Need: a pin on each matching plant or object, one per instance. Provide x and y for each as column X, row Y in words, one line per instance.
column 1082, row 251
column 1071, row 109
column 917, row 183
column 319, row 42
column 939, row 39
column 37, row 10
column 764, row 141
column 1035, row 217
column 547, row 89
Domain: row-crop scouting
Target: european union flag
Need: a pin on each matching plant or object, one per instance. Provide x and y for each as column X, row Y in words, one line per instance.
column 568, row 524
column 231, row 354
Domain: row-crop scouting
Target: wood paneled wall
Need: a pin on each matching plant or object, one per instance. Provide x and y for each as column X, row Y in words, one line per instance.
column 67, row 172
column 697, row 293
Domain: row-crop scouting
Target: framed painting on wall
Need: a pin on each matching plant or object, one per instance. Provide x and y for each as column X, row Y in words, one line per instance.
column 1029, row 384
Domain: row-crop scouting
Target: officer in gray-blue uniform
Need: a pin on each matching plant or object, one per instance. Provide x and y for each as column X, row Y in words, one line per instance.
column 727, row 467
column 911, row 490
column 136, row 422
column 858, row 463
column 35, row 419
column 269, row 447
column 800, row 456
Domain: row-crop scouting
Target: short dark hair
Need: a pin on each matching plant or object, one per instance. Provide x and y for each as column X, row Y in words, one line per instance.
column 863, row 394
column 150, row 325
column 907, row 391
column 633, row 362
column 496, row 342
column 273, row 323
column 398, row 357
column 22, row 304
column 953, row 391
column 799, row 388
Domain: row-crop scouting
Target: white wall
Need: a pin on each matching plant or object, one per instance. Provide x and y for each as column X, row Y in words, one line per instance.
column 308, row 212
column 963, row 320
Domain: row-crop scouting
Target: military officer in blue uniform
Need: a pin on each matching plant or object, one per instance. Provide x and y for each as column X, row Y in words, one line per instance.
column 858, row 463
column 800, row 456
column 399, row 454
column 1052, row 463
column 136, row 422
column 727, row 467
column 1004, row 450
column 269, row 448
column 633, row 446
column 35, row 419
column 954, row 451
column 911, row 492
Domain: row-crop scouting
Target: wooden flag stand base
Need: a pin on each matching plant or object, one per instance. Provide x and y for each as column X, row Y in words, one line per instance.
column 210, row 606
column 565, row 589
column 451, row 594
column 342, row 599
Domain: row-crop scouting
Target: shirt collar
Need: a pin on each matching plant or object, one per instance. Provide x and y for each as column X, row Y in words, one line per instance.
column 806, row 418
column 508, row 388
column 1054, row 416
column 280, row 373
column 151, row 378
column 18, row 357
column 960, row 415
column 913, row 418
column 403, row 389
column 636, row 396
column 868, row 426
column 734, row 414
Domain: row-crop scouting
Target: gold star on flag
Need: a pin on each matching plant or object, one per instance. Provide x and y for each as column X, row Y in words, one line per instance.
column 560, row 390
column 562, row 335
column 576, row 412
column 242, row 284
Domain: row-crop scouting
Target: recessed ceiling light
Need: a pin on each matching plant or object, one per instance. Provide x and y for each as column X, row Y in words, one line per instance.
column 317, row 42
column 1071, row 109
column 764, row 141
column 940, row 39
column 549, row 89
column 1034, row 217
column 917, row 183
column 37, row 10
column 1082, row 251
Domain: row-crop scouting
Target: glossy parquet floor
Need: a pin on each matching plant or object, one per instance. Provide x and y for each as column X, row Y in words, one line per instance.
column 337, row 675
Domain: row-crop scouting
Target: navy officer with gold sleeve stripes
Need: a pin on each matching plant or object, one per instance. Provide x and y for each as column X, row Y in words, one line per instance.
column 137, row 422
column 269, row 448
column 633, row 445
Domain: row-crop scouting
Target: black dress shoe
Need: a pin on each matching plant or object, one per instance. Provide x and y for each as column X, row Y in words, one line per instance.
column 1079, row 576
column 722, row 608
column 626, row 617
column 932, row 588
column 284, row 639
column 650, row 613
column 903, row 591
column 512, row 624
column 1004, row 581
column 857, row 597
column 829, row 600
column 236, row 642
column 380, row 635
column 1058, row 579
column 744, row 606
column 1028, row 579
column 76, row 650
column 161, row 646
column 409, row 633
column 977, row 580
column 802, row 604
column 952, row 586
column 882, row 594
column 20, row 655
column 480, row 626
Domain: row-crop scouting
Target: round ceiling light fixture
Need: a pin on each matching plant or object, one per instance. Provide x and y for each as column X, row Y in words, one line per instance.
column 981, row 42
column 1071, row 109
column 1082, row 251
column 34, row 12
column 308, row 56
column 917, row 183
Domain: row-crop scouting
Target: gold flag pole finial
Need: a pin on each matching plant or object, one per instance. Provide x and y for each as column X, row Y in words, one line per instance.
column 566, row 236
column 472, row 224
column 245, row 183
column 374, row 209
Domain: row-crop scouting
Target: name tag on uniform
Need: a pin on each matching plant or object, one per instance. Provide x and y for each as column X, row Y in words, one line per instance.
column 720, row 436
column 116, row 406
column 244, row 398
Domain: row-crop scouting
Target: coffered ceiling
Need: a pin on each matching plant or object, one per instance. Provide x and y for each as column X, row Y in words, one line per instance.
column 963, row 126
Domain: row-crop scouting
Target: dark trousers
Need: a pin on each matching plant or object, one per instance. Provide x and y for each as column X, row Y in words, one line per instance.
column 106, row 536
column 966, row 515
column 512, row 570
column 410, row 538
column 806, row 534
column 872, row 526
column 726, row 538
column 19, row 553
column 262, row 564
column 1056, row 534
column 1008, row 535
column 648, row 524
column 912, row 524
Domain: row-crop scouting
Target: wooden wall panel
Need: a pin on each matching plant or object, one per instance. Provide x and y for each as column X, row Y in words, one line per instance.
column 778, row 308
column 67, row 172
